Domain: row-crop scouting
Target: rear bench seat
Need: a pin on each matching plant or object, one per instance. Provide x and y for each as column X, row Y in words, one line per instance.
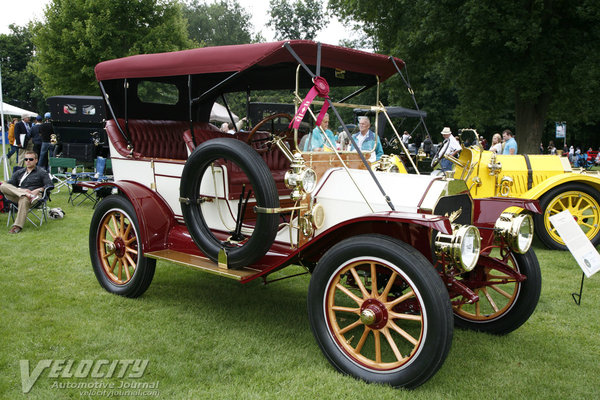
column 173, row 140
column 154, row 138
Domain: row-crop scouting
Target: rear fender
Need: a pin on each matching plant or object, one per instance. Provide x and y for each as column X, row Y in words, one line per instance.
column 539, row 190
column 155, row 217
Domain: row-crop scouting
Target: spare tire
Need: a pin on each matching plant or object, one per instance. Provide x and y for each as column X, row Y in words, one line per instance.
column 241, row 158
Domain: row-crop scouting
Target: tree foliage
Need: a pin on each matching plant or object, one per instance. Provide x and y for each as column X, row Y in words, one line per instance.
column 504, row 60
column 301, row 19
column 20, row 87
column 76, row 35
column 217, row 24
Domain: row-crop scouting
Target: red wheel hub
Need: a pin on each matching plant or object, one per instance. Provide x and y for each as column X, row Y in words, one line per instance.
column 373, row 313
column 120, row 247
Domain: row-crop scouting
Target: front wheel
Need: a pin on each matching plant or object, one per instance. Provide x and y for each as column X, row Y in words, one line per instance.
column 506, row 301
column 380, row 312
column 582, row 201
column 116, row 251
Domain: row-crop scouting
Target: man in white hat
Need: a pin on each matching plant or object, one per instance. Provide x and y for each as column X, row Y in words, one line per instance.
column 452, row 149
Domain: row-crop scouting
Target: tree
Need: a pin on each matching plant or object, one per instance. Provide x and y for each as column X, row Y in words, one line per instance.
column 76, row 35
column 533, row 56
column 19, row 85
column 221, row 23
column 302, row 19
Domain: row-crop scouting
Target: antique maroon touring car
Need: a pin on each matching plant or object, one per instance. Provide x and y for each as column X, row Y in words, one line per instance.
column 396, row 260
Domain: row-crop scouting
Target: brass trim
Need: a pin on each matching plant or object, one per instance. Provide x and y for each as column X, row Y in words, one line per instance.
column 199, row 200
column 277, row 210
column 202, row 263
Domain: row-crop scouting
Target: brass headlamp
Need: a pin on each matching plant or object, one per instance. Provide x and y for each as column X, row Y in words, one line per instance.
column 516, row 229
column 462, row 245
column 301, row 179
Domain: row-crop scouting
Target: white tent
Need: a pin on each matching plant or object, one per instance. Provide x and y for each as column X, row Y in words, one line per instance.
column 219, row 113
column 12, row 110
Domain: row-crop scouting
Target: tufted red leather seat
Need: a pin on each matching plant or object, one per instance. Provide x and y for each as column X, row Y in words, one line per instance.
column 153, row 138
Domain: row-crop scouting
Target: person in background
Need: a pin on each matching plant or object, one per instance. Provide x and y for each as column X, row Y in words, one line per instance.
column 541, row 148
column 496, row 146
column 510, row 145
column 316, row 141
column 47, row 149
column 22, row 129
column 452, row 150
column 365, row 139
column 25, row 186
column 35, row 136
column 11, row 140
column 571, row 154
column 551, row 148
column 406, row 138
column 484, row 143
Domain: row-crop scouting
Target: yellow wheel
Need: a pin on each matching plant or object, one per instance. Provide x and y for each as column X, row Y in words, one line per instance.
column 380, row 312
column 582, row 201
column 115, row 249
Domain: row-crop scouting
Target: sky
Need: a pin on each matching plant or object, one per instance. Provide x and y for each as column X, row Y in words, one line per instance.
column 19, row 12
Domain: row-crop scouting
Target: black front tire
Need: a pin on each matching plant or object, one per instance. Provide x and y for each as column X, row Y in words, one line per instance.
column 380, row 312
column 504, row 304
column 116, row 250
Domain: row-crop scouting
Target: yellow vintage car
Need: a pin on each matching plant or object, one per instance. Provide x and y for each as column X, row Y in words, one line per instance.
column 547, row 178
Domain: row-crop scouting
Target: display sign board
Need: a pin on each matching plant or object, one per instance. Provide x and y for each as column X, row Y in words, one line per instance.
column 561, row 130
column 578, row 244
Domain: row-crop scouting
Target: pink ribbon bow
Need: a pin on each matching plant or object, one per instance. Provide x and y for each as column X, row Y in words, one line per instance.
column 321, row 89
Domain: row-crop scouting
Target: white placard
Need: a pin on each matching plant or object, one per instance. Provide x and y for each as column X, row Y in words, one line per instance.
column 578, row 244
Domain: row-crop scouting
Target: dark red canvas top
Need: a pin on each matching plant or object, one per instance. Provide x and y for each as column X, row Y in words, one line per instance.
column 234, row 58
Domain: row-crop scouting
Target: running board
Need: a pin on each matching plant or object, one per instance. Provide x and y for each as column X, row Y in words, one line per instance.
column 202, row 263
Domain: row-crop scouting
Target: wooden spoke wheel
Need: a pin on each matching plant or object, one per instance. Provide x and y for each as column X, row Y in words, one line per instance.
column 377, row 328
column 380, row 312
column 581, row 200
column 118, row 247
column 115, row 249
column 584, row 208
column 508, row 286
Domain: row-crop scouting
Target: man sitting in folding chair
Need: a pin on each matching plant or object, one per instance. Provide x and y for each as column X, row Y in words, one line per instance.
column 25, row 187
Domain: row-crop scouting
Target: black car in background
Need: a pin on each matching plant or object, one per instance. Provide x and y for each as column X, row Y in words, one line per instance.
column 78, row 122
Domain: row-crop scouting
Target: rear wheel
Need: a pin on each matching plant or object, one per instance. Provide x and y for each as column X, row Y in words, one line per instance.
column 380, row 312
column 116, row 251
column 505, row 301
column 582, row 201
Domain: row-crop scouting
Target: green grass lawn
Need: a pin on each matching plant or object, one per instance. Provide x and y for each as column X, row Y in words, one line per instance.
column 210, row 337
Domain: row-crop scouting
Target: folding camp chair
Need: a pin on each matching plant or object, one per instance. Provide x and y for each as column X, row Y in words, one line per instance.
column 38, row 212
column 61, row 169
column 78, row 189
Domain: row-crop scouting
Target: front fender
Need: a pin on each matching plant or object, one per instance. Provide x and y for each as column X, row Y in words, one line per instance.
column 411, row 228
column 487, row 210
column 155, row 217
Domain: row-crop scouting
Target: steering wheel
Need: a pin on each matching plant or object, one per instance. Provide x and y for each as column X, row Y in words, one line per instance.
column 440, row 153
column 286, row 134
